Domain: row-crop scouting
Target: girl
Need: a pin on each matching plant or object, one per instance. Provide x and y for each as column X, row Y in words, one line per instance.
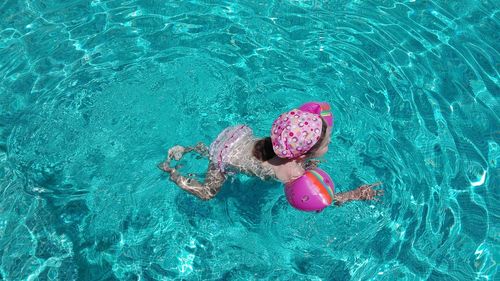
column 296, row 138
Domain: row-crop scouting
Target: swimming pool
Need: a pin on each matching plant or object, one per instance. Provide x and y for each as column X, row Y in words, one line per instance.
column 93, row 93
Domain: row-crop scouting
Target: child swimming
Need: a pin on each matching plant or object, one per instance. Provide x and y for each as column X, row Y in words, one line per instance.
column 297, row 138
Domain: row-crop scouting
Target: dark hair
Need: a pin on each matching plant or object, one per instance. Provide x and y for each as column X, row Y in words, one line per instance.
column 263, row 148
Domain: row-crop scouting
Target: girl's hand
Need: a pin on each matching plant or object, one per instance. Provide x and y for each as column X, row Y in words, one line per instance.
column 366, row 192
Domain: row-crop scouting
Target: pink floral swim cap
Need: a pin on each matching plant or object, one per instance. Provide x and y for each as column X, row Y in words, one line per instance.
column 295, row 132
column 321, row 108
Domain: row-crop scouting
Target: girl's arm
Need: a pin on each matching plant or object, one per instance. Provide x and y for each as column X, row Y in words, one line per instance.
column 364, row 192
column 214, row 180
column 311, row 164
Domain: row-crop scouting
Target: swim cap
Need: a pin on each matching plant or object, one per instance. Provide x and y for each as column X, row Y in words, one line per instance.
column 311, row 192
column 295, row 132
column 321, row 108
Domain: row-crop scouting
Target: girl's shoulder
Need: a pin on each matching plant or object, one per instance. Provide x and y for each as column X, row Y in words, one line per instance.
column 288, row 172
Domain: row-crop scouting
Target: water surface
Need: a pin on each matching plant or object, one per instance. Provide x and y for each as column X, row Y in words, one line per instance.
column 93, row 93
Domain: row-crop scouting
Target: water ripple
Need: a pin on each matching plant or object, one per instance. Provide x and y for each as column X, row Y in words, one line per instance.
column 93, row 92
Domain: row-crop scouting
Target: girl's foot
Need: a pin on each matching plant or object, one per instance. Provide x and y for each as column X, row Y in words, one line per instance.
column 176, row 152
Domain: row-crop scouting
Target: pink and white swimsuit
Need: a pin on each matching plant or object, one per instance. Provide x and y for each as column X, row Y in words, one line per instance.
column 226, row 146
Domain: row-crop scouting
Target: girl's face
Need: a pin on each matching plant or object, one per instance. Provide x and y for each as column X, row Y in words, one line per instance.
column 323, row 149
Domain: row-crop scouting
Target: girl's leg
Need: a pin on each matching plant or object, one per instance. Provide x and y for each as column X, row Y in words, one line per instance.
column 200, row 148
column 213, row 182
column 214, row 179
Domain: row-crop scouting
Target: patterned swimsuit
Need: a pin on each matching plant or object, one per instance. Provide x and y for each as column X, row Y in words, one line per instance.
column 221, row 149
column 232, row 152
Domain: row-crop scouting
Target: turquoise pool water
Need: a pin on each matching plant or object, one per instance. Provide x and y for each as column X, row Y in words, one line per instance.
column 93, row 93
